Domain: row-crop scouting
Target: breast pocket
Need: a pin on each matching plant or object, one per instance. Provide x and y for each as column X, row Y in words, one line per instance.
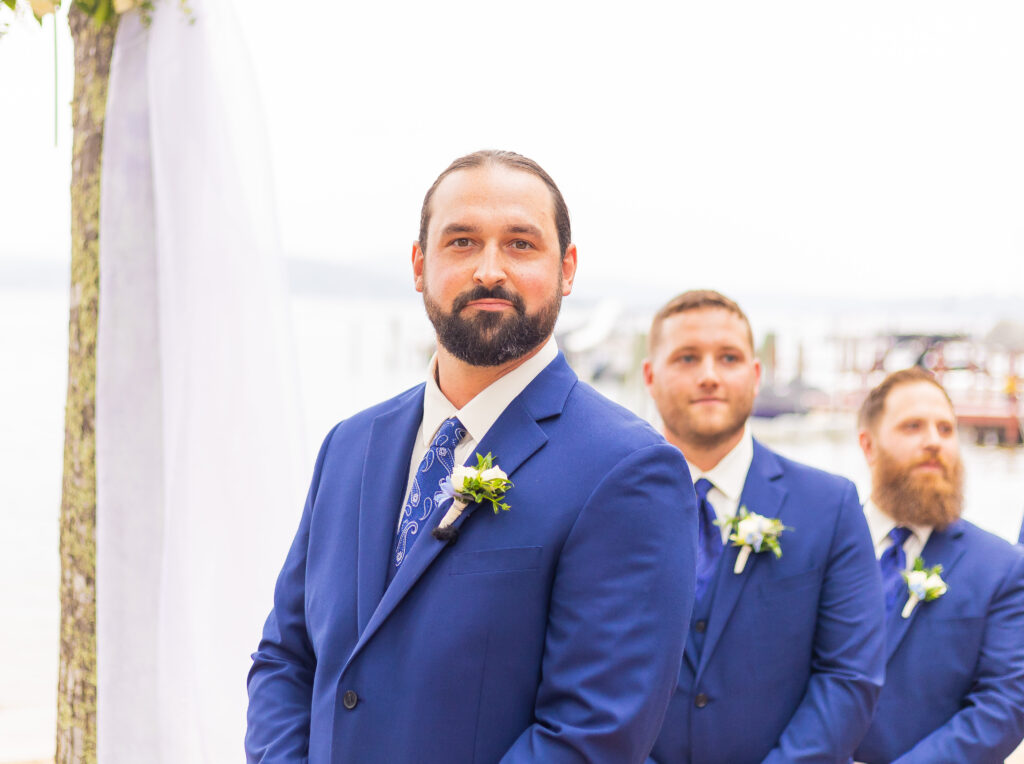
column 799, row 590
column 509, row 560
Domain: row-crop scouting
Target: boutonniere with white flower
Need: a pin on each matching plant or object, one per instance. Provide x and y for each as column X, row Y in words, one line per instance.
column 924, row 585
column 470, row 485
column 751, row 531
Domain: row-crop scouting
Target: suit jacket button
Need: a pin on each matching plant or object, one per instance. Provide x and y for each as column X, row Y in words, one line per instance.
column 700, row 626
column 349, row 699
column 701, row 700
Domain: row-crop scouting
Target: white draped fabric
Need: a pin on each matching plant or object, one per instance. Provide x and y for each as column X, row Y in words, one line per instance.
column 199, row 470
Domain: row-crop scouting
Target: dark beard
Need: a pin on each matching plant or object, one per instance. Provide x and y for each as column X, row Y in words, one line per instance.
column 918, row 499
column 492, row 338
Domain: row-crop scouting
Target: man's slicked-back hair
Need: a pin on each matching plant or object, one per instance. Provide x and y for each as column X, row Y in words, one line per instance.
column 873, row 406
column 516, row 162
column 695, row 299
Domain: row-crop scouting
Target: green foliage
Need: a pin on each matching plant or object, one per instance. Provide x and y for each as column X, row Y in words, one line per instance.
column 479, row 489
column 759, row 533
column 101, row 11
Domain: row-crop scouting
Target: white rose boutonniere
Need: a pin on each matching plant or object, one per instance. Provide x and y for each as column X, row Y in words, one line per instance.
column 924, row 585
column 470, row 485
column 751, row 531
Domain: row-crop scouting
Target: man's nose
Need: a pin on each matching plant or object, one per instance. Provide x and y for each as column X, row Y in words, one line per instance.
column 490, row 269
column 932, row 439
column 706, row 371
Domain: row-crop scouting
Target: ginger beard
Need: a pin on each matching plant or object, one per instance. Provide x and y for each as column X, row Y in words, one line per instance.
column 492, row 338
column 913, row 497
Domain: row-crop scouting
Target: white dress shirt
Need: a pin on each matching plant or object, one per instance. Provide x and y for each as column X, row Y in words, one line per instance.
column 727, row 478
column 479, row 414
column 879, row 524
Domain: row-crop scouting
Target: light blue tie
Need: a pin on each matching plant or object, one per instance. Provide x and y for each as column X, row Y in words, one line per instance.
column 709, row 546
column 425, row 493
column 893, row 562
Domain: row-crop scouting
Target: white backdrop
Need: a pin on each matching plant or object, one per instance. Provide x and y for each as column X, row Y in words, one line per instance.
column 199, row 469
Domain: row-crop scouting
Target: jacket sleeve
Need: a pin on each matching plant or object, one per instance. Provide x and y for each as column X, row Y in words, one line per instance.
column 617, row 620
column 848, row 662
column 990, row 723
column 280, row 681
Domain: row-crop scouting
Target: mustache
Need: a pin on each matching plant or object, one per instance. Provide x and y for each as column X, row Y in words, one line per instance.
column 937, row 459
column 480, row 292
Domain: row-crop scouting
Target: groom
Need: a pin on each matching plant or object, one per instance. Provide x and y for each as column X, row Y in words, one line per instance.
column 550, row 632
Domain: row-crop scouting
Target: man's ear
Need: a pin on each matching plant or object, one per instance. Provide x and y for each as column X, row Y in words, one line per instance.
column 867, row 445
column 417, row 265
column 568, row 269
column 648, row 372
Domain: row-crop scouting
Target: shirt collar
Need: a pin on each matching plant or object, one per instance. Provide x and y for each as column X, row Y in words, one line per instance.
column 730, row 474
column 479, row 414
column 879, row 524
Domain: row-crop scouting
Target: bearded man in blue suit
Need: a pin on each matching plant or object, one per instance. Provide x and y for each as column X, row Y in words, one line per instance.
column 551, row 631
column 784, row 657
column 954, row 685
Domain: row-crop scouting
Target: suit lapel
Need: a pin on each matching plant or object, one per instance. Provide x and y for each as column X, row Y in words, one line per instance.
column 385, row 473
column 763, row 494
column 943, row 548
column 512, row 439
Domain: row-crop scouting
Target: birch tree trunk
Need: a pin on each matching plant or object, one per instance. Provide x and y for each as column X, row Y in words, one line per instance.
column 76, row 696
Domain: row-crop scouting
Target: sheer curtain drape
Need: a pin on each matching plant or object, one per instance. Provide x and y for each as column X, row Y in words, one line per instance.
column 199, row 470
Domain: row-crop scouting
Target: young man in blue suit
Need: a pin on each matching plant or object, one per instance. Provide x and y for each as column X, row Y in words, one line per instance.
column 553, row 630
column 784, row 656
column 954, row 686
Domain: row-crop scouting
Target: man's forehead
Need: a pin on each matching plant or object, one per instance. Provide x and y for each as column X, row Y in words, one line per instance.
column 917, row 399
column 492, row 188
column 703, row 326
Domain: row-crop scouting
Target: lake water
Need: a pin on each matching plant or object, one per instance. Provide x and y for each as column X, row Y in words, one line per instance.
column 349, row 355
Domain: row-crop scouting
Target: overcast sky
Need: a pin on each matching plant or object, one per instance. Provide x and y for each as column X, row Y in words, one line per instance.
column 805, row 148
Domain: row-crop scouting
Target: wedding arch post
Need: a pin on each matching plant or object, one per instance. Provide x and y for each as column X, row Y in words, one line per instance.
column 93, row 39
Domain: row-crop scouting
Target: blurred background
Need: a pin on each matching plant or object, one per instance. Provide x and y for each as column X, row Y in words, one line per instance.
column 851, row 176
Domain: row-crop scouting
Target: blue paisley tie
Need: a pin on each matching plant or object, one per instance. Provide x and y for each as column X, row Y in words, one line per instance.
column 893, row 562
column 425, row 494
column 709, row 541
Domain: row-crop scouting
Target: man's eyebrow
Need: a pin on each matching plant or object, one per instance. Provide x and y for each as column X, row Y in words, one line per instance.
column 458, row 228
column 527, row 229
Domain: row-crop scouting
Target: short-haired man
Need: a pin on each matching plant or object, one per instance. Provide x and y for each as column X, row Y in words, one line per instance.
column 553, row 630
column 954, row 687
column 784, row 656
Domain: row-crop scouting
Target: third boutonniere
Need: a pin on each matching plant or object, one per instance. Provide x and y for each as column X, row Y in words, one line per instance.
column 923, row 584
column 751, row 531
column 469, row 485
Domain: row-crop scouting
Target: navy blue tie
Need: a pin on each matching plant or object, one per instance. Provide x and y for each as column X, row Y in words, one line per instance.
column 425, row 494
column 709, row 543
column 893, row 562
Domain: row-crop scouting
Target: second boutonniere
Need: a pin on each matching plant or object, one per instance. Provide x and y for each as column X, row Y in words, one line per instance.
column 469, row 485
column 751, row 531
column 923, row 584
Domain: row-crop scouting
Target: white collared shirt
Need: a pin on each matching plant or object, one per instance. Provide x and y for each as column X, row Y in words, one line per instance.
column 879, row 524
column 728, row 478
column 479, row 414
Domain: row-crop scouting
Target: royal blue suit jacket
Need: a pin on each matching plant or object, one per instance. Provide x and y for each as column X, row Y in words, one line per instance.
column 954, row 686
column 552, row 632
column 793, row 652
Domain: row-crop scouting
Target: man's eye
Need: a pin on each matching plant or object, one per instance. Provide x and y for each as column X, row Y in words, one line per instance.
column 521, row 244
column 730, row 358
column 461, row 242
column 688, row 358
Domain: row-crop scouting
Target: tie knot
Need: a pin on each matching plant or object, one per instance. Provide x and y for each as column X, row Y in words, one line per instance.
column 449, row 434
column 702, row 487
column 899, row 534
